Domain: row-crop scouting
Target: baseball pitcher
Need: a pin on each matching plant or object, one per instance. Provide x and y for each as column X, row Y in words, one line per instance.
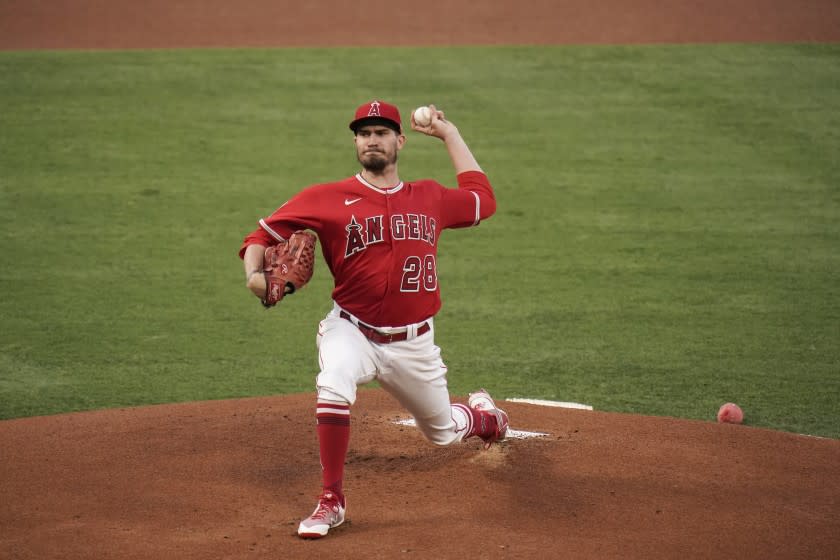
column 379, row 237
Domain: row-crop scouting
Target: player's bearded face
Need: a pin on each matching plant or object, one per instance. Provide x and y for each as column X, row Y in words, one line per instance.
column 377, row 147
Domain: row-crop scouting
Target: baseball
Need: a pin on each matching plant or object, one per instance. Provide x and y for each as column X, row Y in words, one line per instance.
column 423, row 116
column 730, row 413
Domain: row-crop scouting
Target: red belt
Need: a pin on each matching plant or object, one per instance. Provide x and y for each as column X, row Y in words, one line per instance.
column 384, row 338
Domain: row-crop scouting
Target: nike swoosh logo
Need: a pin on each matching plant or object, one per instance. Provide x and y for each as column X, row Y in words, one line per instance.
column 349, row 201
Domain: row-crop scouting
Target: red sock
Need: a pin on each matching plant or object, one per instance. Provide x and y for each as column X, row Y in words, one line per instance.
column 333, row 440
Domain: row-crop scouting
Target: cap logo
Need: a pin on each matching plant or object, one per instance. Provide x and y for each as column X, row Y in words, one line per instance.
column 374, row 109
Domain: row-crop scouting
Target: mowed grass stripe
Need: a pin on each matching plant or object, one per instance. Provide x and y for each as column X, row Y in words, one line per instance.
column 667, row 235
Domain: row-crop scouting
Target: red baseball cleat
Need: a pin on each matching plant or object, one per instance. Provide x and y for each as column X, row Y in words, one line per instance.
column 494, row 421
column 327, row 515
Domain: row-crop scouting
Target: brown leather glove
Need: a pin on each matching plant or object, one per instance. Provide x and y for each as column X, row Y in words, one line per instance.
column 288, row 266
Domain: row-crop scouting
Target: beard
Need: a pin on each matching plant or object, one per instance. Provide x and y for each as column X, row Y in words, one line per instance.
column 376, row 162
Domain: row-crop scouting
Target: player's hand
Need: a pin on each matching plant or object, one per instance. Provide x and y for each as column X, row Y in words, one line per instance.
column 439, row 127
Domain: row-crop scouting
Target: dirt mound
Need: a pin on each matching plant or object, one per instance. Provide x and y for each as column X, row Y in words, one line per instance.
column 233, row 478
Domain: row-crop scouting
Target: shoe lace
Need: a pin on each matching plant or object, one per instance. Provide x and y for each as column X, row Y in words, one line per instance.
column 327, row 503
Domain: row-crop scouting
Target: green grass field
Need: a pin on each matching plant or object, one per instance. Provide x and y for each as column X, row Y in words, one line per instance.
column 667, row 238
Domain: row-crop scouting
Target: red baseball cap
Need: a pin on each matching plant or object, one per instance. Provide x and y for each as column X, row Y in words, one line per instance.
column 377, row 112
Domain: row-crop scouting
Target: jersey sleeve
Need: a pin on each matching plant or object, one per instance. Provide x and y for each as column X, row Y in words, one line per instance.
column 470, row 203
column 299, row 212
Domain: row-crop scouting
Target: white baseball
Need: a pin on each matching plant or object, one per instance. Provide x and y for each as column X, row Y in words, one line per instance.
column 423, row 116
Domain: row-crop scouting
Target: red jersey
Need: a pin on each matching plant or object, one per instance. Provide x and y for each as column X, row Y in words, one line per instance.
column 381, row 244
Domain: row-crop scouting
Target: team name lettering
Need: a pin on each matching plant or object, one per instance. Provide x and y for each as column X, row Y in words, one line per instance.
column 404, row 227
column 355, row 243
column 373, row 229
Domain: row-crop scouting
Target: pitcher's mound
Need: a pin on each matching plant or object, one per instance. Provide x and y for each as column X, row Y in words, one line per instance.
column 232, row 479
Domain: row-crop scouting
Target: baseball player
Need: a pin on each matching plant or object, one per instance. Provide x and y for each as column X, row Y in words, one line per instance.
column 379, row 237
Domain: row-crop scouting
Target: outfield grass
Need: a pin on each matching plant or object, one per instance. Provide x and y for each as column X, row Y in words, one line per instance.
column 667, row 239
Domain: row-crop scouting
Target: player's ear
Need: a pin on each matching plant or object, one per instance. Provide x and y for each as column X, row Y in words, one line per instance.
column 400, row 141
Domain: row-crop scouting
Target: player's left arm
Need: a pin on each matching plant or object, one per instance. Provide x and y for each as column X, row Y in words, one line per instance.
column 252, row 258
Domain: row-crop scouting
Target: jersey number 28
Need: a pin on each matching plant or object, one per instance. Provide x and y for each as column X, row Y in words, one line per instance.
column 417, row 271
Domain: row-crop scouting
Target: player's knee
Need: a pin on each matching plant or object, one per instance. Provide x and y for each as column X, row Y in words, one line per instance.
column 442, row 437
column 444, row 442
column 335, row 387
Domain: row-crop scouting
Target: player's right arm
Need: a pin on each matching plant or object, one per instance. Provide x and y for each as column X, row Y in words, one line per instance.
column 460, row 154
column 473, row 200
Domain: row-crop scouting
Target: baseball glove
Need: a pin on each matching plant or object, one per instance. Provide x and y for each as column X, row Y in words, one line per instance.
column 288, row 266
